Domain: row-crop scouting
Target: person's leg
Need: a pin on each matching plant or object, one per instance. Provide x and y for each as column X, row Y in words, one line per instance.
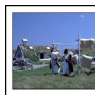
column 54, row 69
column 70, row 67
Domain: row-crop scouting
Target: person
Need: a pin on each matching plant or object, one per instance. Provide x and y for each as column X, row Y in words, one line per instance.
column 54, row 62
column 70, row 63
column 65, row 68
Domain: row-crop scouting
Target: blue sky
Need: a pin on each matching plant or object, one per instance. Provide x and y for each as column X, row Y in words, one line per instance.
column 43, row 28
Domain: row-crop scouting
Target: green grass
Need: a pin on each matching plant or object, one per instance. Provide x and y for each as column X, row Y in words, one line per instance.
column 43, row 79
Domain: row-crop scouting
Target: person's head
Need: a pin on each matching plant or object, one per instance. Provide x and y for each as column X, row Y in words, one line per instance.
column 66, row 51
column 70, row 57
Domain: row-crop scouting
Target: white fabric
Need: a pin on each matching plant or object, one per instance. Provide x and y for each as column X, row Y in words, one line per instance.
column 70, row 53
column 55, row 52
column 24, row 40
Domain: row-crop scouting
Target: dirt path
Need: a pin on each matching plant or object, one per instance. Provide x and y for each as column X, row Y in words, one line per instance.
column 34, row 66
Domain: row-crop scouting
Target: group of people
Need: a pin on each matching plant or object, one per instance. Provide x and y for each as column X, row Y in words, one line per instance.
column 66, row 69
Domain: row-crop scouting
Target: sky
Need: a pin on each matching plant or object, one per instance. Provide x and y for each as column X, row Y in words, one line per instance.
column 62, row 28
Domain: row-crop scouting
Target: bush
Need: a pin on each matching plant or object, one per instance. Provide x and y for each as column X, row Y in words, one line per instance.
column 31, row 55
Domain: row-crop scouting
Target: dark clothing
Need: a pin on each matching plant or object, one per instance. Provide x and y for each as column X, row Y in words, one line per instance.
column 70, row 63
column 70, row 67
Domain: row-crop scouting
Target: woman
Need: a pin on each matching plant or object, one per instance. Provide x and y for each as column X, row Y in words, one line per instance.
column 65, row 69
column 54, row 62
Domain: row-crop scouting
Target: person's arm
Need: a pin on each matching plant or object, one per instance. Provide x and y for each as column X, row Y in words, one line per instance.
column 57, row 62
column 70, row 59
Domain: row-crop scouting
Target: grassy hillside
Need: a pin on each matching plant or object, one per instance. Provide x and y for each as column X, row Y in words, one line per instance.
column 42, row 78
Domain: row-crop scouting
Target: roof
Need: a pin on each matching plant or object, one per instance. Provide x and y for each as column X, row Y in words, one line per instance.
column 24, row 40
column 88, row 57
column 88, row 39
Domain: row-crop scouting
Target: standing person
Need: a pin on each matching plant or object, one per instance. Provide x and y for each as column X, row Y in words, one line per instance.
column 65, row 68
column 70, row 63
column 54, row 62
